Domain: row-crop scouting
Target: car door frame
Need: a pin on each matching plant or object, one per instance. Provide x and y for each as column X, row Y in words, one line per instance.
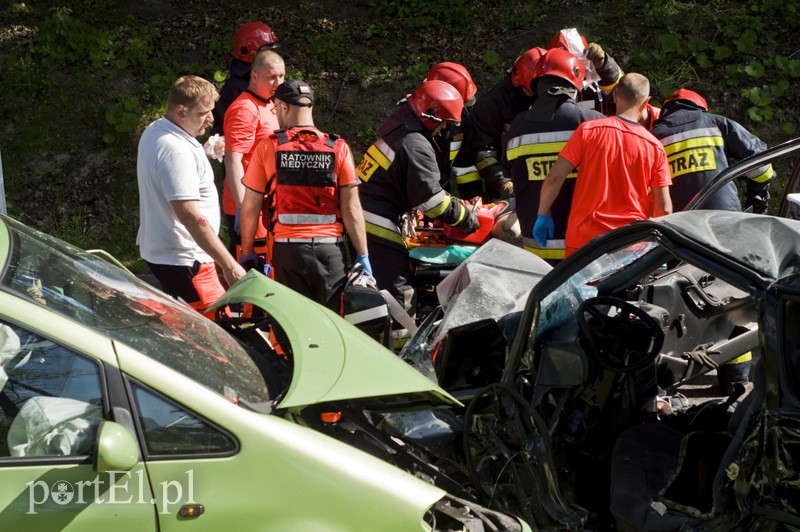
column 110, row 507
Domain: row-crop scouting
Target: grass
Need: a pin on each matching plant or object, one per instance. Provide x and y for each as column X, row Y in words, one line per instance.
column 81, row 83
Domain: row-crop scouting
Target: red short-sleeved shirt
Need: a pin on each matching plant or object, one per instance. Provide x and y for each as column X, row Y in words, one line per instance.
column 247, row 121
column 618, row 162
column 262, row 166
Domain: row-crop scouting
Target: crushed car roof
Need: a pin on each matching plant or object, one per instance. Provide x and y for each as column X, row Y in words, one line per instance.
column 766, row 244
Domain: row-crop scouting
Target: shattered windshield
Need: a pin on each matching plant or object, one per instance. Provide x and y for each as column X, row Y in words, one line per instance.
column 116, row 304
column 560, row 305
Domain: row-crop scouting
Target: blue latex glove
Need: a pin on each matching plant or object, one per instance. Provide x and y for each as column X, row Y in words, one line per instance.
column 249, row 259
column 363, row 260
column 236, row 222
column 543, row 228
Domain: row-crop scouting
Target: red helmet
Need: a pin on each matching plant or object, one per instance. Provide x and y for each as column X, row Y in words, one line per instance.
column 524, row 66
column 559, row 40
column 457, row 76
column 435, row 102
column 686, row 94
column 561, row 63
column 250, row 37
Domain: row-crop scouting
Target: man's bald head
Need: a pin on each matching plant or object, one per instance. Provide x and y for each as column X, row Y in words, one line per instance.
column 266, row 73
column 266, row 59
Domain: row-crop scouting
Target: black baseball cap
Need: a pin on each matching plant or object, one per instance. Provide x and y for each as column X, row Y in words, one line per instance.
column 295, row 92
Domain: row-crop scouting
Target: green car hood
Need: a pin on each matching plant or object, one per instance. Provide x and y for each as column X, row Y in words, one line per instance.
column 333, row 360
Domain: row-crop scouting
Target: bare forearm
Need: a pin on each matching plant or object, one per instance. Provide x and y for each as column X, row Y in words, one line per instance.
column 248, row 218
column 353, row 218
column 662, row 202
column 207, row 239
column 234, row 171
column 553, row 183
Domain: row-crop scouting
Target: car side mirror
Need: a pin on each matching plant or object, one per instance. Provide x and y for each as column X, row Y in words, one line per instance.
column 116, row 448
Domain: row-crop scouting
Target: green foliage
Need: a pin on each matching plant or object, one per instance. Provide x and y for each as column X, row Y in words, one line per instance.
column 419, row 14
column 418, row 68
column 122, row 117
column 63, row 39
column 696, row 47
column 491, row 57
column 328, row 46
column 92, row 73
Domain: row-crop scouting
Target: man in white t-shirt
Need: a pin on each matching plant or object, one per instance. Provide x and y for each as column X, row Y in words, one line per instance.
column 179, row 214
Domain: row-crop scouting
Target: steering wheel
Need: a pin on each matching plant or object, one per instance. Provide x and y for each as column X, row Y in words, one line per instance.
column 621, row 336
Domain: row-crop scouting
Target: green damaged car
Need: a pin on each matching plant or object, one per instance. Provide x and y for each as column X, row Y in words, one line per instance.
column 123, row 409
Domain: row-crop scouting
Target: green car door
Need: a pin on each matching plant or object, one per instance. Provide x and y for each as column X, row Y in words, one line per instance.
column 55, row 474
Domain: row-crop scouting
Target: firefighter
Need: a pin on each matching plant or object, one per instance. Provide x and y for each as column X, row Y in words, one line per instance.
column 597, row 95
column 400, row 174
column 249, row 39
column 490, row 119
column 451, row 139
column 534, row 141
column 699, row 145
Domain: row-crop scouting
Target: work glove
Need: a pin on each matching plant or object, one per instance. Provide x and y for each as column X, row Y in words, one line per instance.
column 236, row 222
column 469, row 224
column 701, row 355
column 505, row 189
column 757, row 203
column 499, row 186
column 594, row 53
column 249, row 260
column 543, row 228
column 363, row 261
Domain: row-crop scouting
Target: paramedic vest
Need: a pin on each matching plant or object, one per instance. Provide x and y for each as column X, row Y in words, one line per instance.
column 306, row 191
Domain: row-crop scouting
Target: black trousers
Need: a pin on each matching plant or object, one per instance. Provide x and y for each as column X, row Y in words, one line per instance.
column 317, row 271
column 391, row 267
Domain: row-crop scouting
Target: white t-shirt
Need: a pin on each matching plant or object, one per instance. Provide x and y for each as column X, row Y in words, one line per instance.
column 172, row 165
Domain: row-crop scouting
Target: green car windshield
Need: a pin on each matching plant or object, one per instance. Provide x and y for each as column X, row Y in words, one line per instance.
column 115, row 303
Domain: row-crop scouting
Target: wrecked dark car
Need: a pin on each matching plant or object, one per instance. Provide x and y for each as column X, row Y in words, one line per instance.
column 560, row 406
column 567, row 386
column 574, row 413
column 565, row 420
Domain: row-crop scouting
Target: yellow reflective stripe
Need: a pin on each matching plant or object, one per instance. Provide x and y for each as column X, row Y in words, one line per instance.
column 547, row 254
column 611, row 87
column 696, row 160
column 432, row 202
column 539, row 167
column 483, row 163
column 764, row 176
column 462, row 176
column 379, row 157
column 535, row 149
column 462, row 213
column 437, row 209
column 467, row 178
column 455, row 146
column 381, row 221
column 700, row 142
column 366, row 168
column 747, row 357
column 385, row 234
